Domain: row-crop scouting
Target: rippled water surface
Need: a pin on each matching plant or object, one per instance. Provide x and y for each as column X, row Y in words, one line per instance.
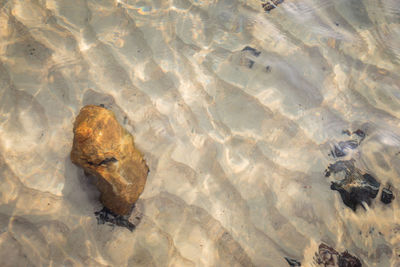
column 238, row 112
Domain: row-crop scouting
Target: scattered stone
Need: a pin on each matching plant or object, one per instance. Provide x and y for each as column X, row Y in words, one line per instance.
column 253, row 51
column 292, row 262
column 107, row 216
column 268, row 69
column 387, row 195
column 360, row 133
column 356, row 188
column 251, row 63
column 268, row 6
column 328, row 256
column 347, row 132
column 103, row 148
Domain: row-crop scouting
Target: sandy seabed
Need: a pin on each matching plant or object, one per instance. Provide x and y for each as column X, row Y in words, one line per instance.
column 235, row 110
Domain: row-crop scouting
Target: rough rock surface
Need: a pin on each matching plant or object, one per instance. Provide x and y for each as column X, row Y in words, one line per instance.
column 328, row 256
column 106, row 150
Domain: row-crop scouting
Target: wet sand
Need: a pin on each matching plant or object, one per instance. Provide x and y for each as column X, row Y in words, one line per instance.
column 237, row 112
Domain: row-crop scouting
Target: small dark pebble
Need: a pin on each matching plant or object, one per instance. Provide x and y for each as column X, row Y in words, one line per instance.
column 102, row 105
column 251, row 63
column 253, row 51
column 346, row 132
column 327, row 173
column 268, row 68
column 268, row 6
column 387, row 196
column 106, row 216
column 337, row 24
column 292, row 262
column 360, row 133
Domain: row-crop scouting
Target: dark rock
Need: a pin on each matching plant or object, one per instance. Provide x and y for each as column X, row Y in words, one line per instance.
column 387, row 195
column 355, row 188
column 267, row 6
column 251, row 63
column 107, row 216
column 360, row 133
column 348, row 260
column 253, row 51
column 292, row 262
column 328, row 256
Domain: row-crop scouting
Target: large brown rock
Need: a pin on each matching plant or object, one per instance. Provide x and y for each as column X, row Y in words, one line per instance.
column 106, row 150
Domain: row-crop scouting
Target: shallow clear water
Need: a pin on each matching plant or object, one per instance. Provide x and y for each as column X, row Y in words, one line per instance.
column 237, row 139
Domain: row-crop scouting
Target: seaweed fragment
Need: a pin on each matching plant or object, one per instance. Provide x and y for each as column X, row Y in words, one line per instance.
column 107, row 216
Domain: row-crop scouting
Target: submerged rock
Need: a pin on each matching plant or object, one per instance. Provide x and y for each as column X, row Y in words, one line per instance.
column 103, row 148
column 107, row 216
column 356, row 188
column 387, row 195
column 268, row 6
column 328, row 256
column 342, row 148
column 292, row 262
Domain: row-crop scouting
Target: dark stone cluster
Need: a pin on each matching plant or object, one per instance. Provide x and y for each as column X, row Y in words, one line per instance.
column 328, row 256
column 356, row 188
